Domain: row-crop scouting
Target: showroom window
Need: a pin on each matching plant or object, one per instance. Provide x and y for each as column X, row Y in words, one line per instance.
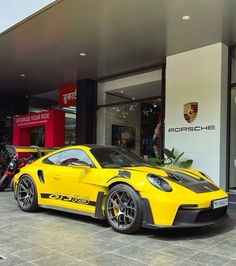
column 132, row 117
column 232, row 131
column 232, row 145
column 134, row 126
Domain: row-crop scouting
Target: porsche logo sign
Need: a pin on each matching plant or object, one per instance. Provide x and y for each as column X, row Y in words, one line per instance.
column 190, row 114
column 190, row 111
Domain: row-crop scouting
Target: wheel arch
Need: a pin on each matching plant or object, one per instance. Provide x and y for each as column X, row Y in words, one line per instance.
column 118, row 182
column 16, row 181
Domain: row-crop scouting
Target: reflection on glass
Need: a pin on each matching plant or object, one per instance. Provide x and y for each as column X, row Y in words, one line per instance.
column 136, row 126
column 232, row 180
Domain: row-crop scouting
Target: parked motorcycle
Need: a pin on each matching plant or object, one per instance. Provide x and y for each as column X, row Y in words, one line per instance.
column 12, row 165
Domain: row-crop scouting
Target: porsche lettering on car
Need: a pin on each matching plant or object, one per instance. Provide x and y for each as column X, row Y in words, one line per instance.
column 112, row 183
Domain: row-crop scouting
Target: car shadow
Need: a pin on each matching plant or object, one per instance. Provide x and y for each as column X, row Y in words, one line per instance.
column 167, row 234
column 211, row 231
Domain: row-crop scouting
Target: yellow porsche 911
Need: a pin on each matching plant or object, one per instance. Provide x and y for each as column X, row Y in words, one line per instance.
column 111, row 183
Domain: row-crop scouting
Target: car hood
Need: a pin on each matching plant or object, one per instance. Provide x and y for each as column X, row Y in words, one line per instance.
column 182, row 177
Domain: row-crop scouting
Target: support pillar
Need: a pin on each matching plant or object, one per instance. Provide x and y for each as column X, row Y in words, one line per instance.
column 86, row 108
column 196, row 107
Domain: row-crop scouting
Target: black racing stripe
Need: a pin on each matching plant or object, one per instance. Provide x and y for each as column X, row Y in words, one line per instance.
column 189, row 172
column 61, row 198
column 196, row 184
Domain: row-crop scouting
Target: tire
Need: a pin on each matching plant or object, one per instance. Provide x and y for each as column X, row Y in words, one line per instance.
column 4, row 184
column 26, row 194
column 124, row 209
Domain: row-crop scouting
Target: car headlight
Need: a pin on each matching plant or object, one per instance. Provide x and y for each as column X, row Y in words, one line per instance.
column 205, row 175
column 159, row 183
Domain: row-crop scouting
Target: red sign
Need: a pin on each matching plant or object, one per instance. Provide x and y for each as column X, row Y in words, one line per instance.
column 67, row 96
column 53, row 122
column 34, row 119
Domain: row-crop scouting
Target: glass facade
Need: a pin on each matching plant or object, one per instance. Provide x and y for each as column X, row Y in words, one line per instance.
column 233, row 67
column 70, row 128
column 134, row 124
column 232, row 148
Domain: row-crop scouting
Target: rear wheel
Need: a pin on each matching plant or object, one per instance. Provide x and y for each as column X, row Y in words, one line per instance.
column 123, row 209
column 26, row 194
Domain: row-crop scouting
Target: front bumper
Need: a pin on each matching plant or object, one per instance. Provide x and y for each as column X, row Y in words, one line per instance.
column 187, row 217
column 199, row 217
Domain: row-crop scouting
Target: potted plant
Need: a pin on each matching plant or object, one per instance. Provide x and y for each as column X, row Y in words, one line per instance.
column 171, row 159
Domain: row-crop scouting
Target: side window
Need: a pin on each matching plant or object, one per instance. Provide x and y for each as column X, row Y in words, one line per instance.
column 75, row 156
column 53, row 159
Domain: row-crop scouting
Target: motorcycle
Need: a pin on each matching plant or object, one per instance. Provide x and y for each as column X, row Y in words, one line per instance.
column 12, row 166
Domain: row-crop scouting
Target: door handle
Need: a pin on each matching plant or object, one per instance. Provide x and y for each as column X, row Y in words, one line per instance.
column 56, row 177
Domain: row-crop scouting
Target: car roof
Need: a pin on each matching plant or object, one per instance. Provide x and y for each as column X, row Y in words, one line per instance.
column 96, row 146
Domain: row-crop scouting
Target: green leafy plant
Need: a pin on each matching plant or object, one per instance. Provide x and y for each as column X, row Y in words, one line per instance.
column 171, row 159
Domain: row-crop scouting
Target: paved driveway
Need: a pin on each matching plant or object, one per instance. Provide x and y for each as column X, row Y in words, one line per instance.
column 56, row 238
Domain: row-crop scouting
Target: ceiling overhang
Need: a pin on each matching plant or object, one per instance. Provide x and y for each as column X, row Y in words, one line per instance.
column 117, row 36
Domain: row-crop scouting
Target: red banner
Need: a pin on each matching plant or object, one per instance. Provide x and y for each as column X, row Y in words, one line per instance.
column 67, row 96
column 53, row 122
column 34, row 119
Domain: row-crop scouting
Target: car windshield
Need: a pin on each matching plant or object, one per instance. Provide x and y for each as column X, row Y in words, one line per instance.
column 115, row 157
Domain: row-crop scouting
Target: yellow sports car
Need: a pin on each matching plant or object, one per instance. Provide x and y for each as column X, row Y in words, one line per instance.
column 112, row 183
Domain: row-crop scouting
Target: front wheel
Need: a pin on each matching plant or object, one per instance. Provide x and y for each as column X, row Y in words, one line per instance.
column 123, row 209
column 26, row 194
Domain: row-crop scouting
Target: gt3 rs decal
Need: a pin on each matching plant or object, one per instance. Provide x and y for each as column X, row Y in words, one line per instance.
column 68, row 198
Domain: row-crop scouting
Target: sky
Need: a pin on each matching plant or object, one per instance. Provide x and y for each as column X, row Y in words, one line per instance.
column 13, row 11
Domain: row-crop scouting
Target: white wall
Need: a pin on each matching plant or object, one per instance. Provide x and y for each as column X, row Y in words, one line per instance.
column 199, row 75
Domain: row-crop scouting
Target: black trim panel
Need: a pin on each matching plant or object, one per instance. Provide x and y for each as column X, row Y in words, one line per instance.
column 186, row 217
column 199, row 216
column 40, row 176
column 98, row 208
column 65, row 210
column 147, row 213
column 121, row 174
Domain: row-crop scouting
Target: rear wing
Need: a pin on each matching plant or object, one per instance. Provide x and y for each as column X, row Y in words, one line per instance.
column 38, row 151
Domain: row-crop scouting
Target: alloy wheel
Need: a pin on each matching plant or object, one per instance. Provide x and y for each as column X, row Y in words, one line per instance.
column 121, row 209
column 25, row 193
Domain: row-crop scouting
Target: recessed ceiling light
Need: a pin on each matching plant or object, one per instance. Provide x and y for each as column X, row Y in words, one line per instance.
column 22, row 75
column 122, row 91
column 185, row 17
column 82, row 54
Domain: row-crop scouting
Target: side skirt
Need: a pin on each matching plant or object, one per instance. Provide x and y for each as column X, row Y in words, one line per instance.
column 65, row 210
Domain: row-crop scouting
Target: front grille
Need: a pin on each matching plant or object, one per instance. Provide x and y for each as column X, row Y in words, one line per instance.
column 211, row 215
column 198, row 216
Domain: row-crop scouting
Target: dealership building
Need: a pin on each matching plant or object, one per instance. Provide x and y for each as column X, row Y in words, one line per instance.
column 140, row 74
